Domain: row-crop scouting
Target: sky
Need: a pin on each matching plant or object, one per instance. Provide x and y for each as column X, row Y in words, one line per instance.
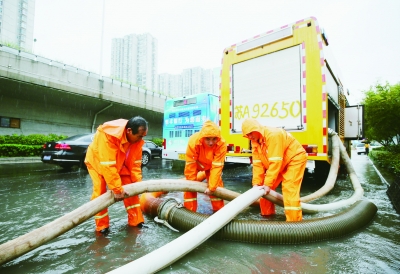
column 364, row 35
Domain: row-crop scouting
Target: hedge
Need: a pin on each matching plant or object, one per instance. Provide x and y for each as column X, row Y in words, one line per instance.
column 13, row 150
column 33, row 139
column 157, row 141
column 31, row 145
column 25, row 145
column 386, row 159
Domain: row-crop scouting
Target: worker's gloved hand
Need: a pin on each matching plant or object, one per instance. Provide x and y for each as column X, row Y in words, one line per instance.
column 207, row 191
column 266, row 189
column 121, row 196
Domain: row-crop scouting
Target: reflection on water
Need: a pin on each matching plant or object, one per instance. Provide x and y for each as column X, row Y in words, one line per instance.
column 33, row 195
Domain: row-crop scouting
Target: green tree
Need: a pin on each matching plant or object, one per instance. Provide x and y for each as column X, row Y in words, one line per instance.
column 382, row 114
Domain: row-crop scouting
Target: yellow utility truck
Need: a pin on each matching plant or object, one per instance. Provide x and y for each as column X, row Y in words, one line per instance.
column 285, row 77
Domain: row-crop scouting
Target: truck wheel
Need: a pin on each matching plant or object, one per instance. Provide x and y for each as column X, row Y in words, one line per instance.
column 321, row 171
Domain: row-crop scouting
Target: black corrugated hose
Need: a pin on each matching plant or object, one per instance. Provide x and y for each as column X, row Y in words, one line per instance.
column 345, row 222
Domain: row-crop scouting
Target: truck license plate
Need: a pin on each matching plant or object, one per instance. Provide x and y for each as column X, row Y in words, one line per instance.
column 182, row 156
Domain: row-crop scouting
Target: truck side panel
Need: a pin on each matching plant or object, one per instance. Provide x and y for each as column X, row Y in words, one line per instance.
column 285, row 82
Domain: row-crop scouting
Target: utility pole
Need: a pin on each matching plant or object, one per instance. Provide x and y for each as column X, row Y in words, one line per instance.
column 101, row 42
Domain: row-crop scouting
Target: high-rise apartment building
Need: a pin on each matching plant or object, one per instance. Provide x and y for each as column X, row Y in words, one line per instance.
column 216, row 80
column 190, row 81
column 170, row 85
column 134, row 59
column 16, row 23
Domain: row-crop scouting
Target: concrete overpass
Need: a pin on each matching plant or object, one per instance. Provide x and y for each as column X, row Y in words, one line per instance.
column 46, row 96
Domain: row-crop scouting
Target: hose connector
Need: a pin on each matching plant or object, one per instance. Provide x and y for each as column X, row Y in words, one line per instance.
column 331, row 132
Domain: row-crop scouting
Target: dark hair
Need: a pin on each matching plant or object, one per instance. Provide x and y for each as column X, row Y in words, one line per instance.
column 135, row 123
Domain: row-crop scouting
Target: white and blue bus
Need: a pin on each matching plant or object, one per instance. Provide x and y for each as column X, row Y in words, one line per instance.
column 184, row 116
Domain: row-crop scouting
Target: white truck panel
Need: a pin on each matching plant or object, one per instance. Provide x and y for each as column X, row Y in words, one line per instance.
column 268, row 83
column 353, row 122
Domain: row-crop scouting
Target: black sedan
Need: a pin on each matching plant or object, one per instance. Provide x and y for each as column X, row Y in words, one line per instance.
column 156, row 151
column 72, row 151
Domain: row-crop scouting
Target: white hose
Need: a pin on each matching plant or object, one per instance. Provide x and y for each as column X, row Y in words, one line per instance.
column 358, row 190
column 179, row 247
column 333, row 171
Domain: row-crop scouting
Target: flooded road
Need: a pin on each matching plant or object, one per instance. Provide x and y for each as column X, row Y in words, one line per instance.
column 35, row 194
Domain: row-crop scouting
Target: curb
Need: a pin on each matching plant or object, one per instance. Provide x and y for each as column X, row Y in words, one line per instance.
column 379, row 174
column 20, row 160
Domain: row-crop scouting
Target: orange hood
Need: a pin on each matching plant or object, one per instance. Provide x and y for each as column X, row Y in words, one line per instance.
column 115, row 128
column 209, row 129
column 250, row 125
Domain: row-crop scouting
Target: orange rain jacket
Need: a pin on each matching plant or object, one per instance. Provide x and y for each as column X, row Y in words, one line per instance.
column 273, row 152
column 111, row 155
column 200, row 157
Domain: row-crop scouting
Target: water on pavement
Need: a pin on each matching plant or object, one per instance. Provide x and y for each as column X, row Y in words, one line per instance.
column 35, row 194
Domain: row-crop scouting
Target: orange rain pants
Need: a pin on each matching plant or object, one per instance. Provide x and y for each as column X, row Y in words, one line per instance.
column 190, row 198
column 291, row 178
column 132, row 204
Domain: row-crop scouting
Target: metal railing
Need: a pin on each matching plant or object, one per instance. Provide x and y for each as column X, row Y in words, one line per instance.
column 77, row 70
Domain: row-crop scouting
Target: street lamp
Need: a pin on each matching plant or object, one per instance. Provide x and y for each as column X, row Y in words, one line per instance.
column 33, row 49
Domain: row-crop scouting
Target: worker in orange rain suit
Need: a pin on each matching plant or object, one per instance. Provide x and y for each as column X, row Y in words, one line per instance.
column 205, row 157
column 277, row 157
column 114, row 159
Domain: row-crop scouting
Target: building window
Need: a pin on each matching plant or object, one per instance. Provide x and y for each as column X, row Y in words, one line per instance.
column 10, row 122
column 178, row 133
column 188, row 133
